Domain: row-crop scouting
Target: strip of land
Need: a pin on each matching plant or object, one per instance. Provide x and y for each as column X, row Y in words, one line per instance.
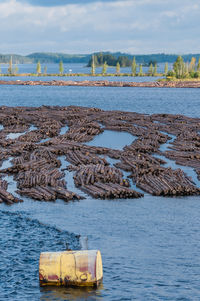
column 105, row 83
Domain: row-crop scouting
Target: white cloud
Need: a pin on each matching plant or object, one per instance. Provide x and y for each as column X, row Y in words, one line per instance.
column 140, row 26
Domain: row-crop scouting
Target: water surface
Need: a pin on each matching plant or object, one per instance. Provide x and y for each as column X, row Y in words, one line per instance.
column 150, row 246
column 112, row 139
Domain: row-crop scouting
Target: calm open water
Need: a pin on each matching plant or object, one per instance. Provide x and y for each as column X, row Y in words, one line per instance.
column 74, row 68
column 150, row 247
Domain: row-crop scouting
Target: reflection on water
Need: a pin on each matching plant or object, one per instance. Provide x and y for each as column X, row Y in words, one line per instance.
column 69, row 177
column 17, row 135
column 64, row 129
column 12, row 185
column 166, row 146
column 112, row 139
column 65, row 293
column 7, row 163
column 21, row 242
column 14, row 135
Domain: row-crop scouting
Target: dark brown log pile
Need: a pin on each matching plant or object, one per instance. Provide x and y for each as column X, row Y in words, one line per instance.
column 33, row 136
column 88, row 174
column 102, row 181
column 48, row 193
column 166, row 182
column 78, row 157
column 110, row 191
column 38, row 177
column 83, row 132
column 50, row 128
column 148, row 143
column 5, row 196
column 134, row 161
column 46, row 177
column 185, row 149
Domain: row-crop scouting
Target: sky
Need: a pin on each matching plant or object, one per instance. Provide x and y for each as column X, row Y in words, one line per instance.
column 86, row 26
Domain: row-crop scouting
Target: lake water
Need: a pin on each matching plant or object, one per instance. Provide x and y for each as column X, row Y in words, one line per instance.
column 118, row 141
column 150, row 246
column 73, row 68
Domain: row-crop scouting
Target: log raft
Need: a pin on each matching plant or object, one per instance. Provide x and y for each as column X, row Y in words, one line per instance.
column 36, row 165
column 105, row 83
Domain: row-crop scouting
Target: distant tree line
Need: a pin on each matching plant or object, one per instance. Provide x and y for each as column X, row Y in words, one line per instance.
column 124, row 59
column 45, row 57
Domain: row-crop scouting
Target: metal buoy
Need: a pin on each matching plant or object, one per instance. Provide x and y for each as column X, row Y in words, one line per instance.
column 71, row 268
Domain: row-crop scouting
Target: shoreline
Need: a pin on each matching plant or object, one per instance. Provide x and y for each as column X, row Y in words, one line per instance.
column 105, row 83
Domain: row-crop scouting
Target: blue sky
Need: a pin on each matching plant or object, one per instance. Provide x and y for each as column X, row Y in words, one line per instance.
column 85, row 26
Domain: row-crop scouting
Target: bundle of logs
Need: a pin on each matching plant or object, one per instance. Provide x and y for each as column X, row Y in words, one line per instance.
column 5, row 196
column 38, row 177
column 166, row 182
column 148, row 174
column 102, row 181
column 83, row 131
column 78, row 157
column 148, row 143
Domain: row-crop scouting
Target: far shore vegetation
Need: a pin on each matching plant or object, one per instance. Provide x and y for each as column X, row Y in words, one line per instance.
column 181, row 70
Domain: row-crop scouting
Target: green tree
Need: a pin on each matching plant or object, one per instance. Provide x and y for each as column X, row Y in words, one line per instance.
column 124, row 61
column 38, row 68
column 166, row 69
column 140, row 71
column 155, row 70
column 61, row 67
column 118, row 68
column 93, row 66
column 192, row 64
column 133, row 67
column 150, row 71
column 198, row 65
column 10, row 66
column 104, row 68
column 179, row 67
column 100, row 58
column 16, row 69
column 45, row 69
column 186, row 70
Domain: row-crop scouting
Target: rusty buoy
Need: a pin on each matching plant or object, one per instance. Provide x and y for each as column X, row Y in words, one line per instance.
column 71, row 268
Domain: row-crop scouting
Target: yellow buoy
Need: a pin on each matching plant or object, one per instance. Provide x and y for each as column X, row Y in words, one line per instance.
column 71, row 268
